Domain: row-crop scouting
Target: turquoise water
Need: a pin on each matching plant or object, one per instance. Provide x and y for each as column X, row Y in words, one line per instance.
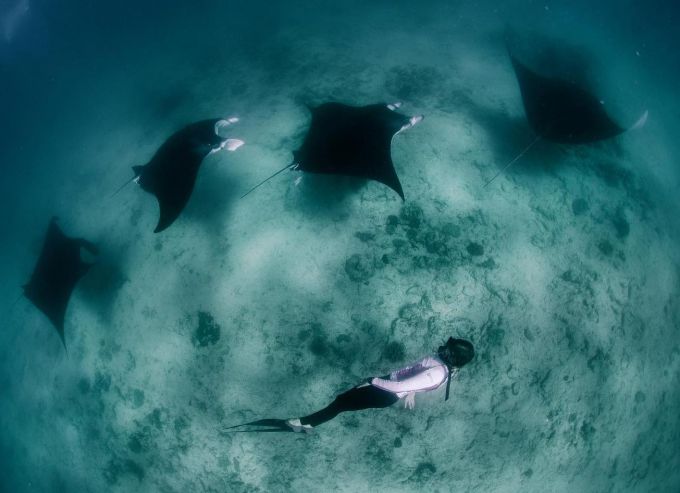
column 564, row 273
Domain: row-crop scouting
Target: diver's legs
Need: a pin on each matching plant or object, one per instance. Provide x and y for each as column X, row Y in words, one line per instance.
column 356, row 399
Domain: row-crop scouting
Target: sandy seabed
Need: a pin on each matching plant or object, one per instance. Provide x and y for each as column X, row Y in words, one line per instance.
column 564, row 273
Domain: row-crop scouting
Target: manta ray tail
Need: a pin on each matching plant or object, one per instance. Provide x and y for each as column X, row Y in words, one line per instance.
column 515, row 159
column 138, row 171
column 289, row 166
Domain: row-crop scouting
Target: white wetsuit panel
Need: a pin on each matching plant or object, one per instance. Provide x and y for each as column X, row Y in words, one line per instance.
column 425, row 375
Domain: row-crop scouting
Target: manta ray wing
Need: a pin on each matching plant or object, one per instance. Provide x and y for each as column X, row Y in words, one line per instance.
column 172, row 172
column 560, row 111
column 352, row 141
column 58, row 270
column 171, row 182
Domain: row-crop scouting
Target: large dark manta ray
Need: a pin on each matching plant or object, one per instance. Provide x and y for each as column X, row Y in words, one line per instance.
column 171, row 174
column 352, row 141
column 560, row 111
column 56, row 274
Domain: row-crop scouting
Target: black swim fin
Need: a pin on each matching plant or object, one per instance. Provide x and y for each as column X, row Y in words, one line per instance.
column 448, row 387
column 274, row 425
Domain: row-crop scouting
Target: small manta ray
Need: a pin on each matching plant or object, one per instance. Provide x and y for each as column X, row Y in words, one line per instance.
column 171, row 173
column 56, row 274
column 351, row 141
column 561, row 111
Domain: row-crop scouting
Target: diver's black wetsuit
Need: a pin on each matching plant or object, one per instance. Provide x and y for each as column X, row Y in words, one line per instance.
column 356, row 399
column 425, row 375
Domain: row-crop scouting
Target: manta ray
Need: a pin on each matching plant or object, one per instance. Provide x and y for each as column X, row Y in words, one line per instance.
column 561, row 111
column 351, row 141
column 171, row 174
column 56, row 274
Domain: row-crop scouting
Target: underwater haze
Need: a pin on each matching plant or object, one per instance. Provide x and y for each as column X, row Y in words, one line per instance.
column 564, row 272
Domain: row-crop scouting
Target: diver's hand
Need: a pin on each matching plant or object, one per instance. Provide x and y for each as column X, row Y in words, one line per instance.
column 410, row 400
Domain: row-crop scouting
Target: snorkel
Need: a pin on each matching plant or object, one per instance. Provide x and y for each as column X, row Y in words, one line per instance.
column 455, row 354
